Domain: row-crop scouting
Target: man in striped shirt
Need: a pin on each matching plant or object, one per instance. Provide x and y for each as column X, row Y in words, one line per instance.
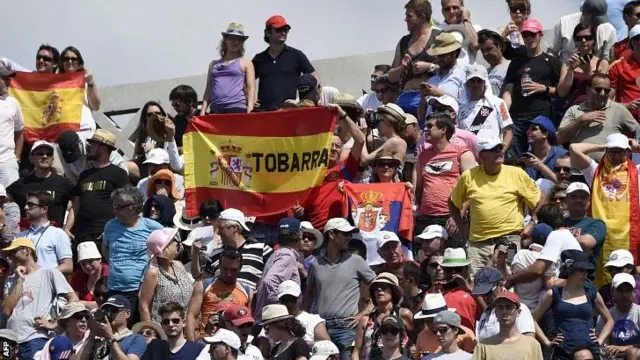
column 232, row 230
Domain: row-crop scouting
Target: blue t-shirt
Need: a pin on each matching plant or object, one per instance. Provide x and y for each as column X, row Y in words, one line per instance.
column 189, row 351
column 554, row 153
column 589, row 226
column 128, row 256
column 132, row 345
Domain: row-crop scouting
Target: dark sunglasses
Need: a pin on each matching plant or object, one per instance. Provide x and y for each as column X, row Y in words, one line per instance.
column 528, row 34
column 565, row 169
column 382, row 90
column 385, row 163
column 579, row 38
column 48, row 153
column 81, row 317
column 70, row 59
column 441, row 330
column 284, row 29
column 600, row 90
column 454, row 269
column 496, row 149
column 374, row 77
column 157, row 113
column 515, row 9
column 389, row 330
column 558, row 199
column 174, row 321
column 435, row 265
column 121, row 207
column 44, row 58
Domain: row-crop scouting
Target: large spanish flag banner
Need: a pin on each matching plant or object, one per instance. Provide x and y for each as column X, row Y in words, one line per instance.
column 381, row 207
column 260, row 163
column 51, row 103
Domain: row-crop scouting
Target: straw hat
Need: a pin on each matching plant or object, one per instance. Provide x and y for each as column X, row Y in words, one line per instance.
column 273, row 313
column 104, row 137
column 445, row 43
column 235, row 29
column 71, row 309
column 184, row 222
column 348, row 102
column 387, row 278
column 137, row 328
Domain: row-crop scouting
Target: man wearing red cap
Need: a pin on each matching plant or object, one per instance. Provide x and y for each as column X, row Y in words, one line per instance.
column 278, row 66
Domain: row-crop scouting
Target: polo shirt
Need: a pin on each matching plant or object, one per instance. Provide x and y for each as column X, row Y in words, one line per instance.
column 279, row 76
column 550, row 161
column 52, row 244
column 623, row 75
column 622, row 49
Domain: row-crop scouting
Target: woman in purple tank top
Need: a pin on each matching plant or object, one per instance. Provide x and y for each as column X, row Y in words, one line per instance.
column 231, row 80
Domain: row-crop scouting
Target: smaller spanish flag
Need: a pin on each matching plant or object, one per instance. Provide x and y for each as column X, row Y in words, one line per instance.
column 51, row 103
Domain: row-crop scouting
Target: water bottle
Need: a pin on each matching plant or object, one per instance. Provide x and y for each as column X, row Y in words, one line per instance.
column 514, row 38
column 525, row 78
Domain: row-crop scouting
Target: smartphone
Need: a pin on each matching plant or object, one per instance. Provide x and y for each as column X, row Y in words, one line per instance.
column 511, row 252
column 587, row 58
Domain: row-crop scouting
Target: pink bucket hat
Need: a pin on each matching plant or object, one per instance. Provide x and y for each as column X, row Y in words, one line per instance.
column 158, row 240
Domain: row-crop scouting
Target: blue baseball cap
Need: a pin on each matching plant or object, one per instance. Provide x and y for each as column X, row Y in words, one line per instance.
column 485, row 280
column 289, row 224
column 117, row 301
column 540, row 233
column 60, row 348
column 546, row 123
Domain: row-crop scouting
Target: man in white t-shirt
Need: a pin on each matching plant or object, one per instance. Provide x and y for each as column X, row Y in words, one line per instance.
column 370, row 101
column 488, row 284
column 626, row 317
column 457, row 20
column 485, row 115
column 289, row 296
column 559, row 240
column 11, row 126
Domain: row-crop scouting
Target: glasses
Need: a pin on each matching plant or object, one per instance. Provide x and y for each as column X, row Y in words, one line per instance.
column 44, row 58
column 281, row 30
column 163, row 182
column 600, row 90
column 381, row 90
column 81, row 317
column 496, row 149
column 387, row 330
column 47, row 154
column 454, row 269
column 435, row 265
column 515, row 9
column 528, row 34
column 562, row 169
column 441, row 330
column 156, row 113
column 383, row 287
column 32, row 204
column 174, row 321
column 580, row 38
column 385, row 163
column 70, row 59
column 121, row 207
column 149, row 333
column 374, row 77
column 558, row 199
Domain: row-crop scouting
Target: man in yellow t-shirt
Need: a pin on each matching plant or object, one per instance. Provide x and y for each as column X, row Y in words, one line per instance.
column 496, row 195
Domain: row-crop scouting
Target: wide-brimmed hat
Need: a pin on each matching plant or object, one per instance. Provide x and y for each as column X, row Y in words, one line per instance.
column 71, row 309
column 104, row 137
column 460, row 32
column 387, row 155
column 390, row 279
column 455, row 257
column 88, row 250
column 273, row 313
column 158, row 241
column 235, row 29
column 138, row 327
column 433, row 304
column 184, row 222
column 307, row 227
column 163, row 174
column 573, row 260
column 348, row 102
column 445, row 43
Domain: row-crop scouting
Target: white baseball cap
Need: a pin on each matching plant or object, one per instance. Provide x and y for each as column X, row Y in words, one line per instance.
column 39, row 143
column 488, row 143
column 234, row 215
column 226, row 337
column 620, row 258
column 341, row 225
column 432, row 232
column 289, row 287
column 157, row 156
column 578, row 186
column 321, row 350
column 617, row 141
column 622, row 278
column 386, row 237
column 477, row 71
column 446, row 100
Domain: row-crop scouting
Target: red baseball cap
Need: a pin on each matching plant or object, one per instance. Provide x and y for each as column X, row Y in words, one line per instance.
column 276, row 21
column 239, row 315
column 223, row 306
column 531, row 25
column 508, row 295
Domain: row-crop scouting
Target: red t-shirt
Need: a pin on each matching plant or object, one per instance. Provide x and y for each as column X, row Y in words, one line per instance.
column 79, row 283
column 326, row 201
column 623, row 75
column 621, row 49
column 465, row 306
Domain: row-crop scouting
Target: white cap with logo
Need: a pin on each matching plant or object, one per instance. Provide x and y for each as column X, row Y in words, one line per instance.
column 620, row 258
column 488, row 143
column 477, row 71
column 387, row 237
column 578, row 186
column 321, row 350
column 40, row 143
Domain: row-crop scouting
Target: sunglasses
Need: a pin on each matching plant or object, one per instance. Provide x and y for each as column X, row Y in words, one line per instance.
column 528, row 34
column 515, row 9
column 121, row 207
column 281, row 30
column 441, row 330
column 149, row 333
column 496, row 149
column 388, row 330
column 156, row 113
column 374, row 77
column 163, row 182
column 558, row 199
column 70, row 59
column 562, row 169
column 48, row 153
column 385, row 163
column 44, row 58
column 174, row 321
column 454, row 270
column 81, row 317
column 600, row 90
column 435, row 265
column 580, row 38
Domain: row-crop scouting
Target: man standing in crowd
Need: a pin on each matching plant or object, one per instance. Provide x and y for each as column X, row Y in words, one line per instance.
column 208, row 294
column 439, row 168
column 529, row 85
column 173, row 322
column 458, row 18
column 53, row 248
column 44, row 178
column 509, row 341
column 449, row 78
column 596, row 118
column 30, row 295
column 334, row 284
column 184, row 101
column 370, row 101
column 492, row 45
column 447, row 325
column 485, row 115
column 541, row 157
column 631, row 17
column 92, row 203
column 623, row 74
column 232, row 229
column 495, row 193
column 279, row 66
column 589, row 232
column 11, row 125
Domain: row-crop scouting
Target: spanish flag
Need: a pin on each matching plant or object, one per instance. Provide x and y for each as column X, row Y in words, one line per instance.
column 260, row 163
column 51, row 103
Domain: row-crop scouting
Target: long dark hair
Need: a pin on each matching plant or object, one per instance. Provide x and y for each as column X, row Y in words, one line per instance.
column 141, row 130
column 592, row 29
column 74, row 50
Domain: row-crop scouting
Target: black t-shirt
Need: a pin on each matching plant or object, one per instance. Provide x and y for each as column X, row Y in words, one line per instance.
column 181, row 123
column 94, row 188
column 543, row 69
column 58, row 186
column 279, row 76
column 298, row 348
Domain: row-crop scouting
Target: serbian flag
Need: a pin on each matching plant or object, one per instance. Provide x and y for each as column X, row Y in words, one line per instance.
column 260, row 163
column 51, row 103
column 381, row 207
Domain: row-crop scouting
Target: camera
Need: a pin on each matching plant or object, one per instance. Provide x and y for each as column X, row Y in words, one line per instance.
column 371, row 117
column 101, row 316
